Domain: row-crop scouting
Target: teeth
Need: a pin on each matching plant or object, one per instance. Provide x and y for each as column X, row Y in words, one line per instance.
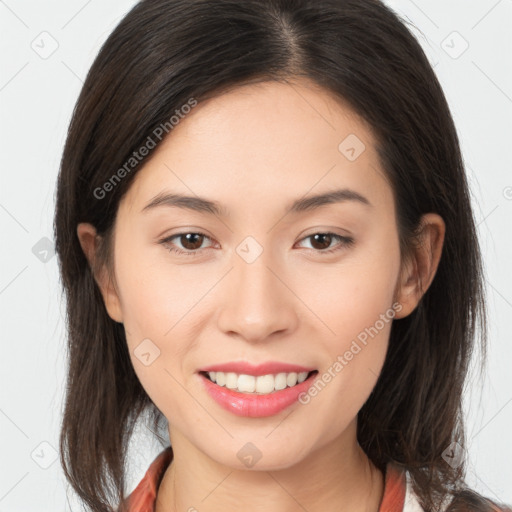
column 263, row 384
column 302, row 376
column 231, row 380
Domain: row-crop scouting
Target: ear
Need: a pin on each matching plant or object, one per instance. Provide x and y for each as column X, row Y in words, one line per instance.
column 419, row 269
column 89, row 241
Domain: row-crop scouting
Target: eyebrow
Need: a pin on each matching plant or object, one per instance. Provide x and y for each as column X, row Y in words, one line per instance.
column 200, row 204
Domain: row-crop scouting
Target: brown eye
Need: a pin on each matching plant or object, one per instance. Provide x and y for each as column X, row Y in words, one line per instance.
column 190, row 243
column 321, row 242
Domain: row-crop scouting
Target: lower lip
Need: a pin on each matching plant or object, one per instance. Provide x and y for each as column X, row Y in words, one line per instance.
column 252, row 405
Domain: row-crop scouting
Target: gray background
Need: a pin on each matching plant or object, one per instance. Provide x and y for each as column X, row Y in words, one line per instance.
column 47, row 48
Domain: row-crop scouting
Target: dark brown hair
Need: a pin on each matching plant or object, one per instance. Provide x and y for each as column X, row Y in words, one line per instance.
column 165, row 52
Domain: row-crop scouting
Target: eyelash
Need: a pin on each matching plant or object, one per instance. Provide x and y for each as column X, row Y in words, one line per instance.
column 344, row 242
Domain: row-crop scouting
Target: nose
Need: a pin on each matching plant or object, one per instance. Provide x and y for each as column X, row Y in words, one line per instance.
column 257, row 301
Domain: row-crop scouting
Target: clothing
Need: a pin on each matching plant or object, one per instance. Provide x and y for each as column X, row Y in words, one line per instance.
column 398, row 494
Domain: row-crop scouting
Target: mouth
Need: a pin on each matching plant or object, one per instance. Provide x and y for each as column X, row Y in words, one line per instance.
column 256, row 396
column 268, row 384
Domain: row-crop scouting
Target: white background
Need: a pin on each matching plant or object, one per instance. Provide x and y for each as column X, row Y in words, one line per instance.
column 37, row 96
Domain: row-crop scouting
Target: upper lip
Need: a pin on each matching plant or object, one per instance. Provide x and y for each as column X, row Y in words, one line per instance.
column 242, row 367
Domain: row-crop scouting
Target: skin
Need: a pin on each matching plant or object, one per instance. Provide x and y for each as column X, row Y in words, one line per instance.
column 291, row 304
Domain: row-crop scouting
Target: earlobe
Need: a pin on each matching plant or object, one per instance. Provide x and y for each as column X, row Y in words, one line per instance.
column 407, row 289
column 419, row 270
column 89, row 240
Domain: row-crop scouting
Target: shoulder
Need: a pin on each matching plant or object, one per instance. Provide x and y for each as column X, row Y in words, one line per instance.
column 465, row 501
column 142, row 498
column 412, row 502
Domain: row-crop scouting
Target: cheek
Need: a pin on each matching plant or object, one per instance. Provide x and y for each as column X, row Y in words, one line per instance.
column 160, row 302
column 351, row 296
column 357, row 306
column 354, row 360
column 155, row 294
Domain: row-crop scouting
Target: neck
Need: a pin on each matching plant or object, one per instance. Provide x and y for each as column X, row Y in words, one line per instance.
column 337, row 477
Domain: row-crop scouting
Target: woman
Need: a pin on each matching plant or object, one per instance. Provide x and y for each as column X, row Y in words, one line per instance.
column 265, row 237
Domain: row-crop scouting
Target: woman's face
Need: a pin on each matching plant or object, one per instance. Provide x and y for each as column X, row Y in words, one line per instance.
column 259, row 287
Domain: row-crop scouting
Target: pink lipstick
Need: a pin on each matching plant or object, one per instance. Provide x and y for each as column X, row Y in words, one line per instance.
column 251, row 404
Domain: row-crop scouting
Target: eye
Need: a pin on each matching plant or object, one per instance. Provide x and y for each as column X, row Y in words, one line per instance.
column 323, row 240
column 191, row 242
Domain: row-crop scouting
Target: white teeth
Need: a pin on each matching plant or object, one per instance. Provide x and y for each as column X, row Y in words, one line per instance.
column 301, row 377
column 291, row 380
column 246, row 383
column 280, row 381
column 231, row 380
column 264, row 384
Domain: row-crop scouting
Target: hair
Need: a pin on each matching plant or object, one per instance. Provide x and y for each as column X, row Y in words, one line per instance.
column 164, row 53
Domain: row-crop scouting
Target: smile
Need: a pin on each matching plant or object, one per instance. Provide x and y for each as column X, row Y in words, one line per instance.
column 256, row 396
column 263, row 384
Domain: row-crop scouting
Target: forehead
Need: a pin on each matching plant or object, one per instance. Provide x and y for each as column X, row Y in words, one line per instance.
column 264, row 142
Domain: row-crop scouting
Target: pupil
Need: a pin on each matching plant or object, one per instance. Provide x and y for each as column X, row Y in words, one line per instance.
column 190, row 245
column 324, row 237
